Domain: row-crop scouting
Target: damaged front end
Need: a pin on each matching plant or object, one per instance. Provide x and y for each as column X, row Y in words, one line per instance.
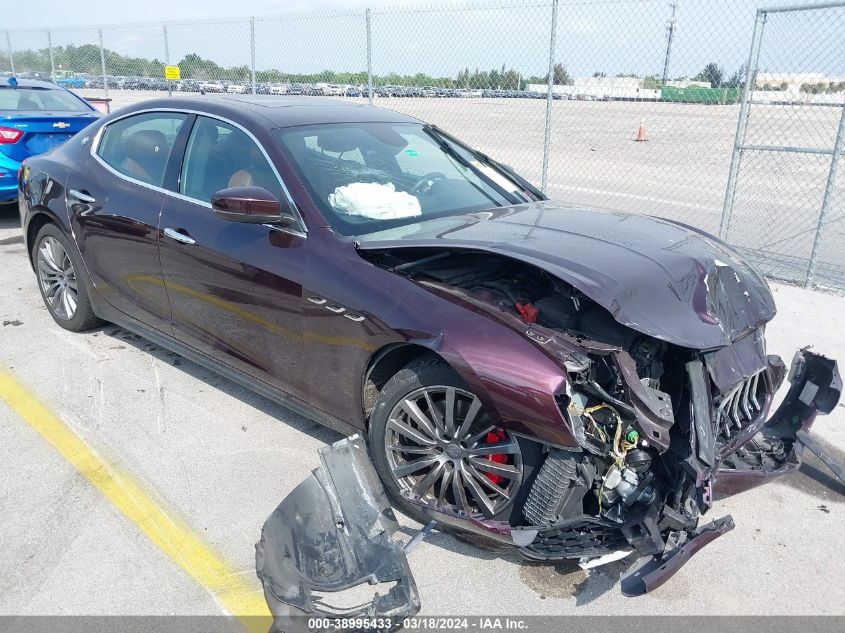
column 328, row 548
column 648, row 427
column 652, row 492
column 629, row 490
column 656, row 426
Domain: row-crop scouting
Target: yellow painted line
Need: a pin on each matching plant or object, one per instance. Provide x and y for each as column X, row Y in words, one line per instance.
column 161, row 526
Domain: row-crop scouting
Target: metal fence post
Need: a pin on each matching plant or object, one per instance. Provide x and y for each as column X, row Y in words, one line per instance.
column 544, row 180
column 670, row 27
column 103, row 62
column 252, row 50
column 9, row 45
column 166, row 58
column 742, row 123
column 52, row 59
column 828, row 194
column 369, row 58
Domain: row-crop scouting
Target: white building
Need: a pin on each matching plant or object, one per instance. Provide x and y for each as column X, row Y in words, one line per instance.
column 628, row 88
column 687, row 83
column 793, row 81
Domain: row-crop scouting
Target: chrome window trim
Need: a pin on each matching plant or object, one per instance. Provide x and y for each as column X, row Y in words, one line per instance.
column 301, row 231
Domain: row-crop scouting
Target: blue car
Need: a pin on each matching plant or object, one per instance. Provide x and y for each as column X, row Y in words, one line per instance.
column 35, row 116
column 71, row 82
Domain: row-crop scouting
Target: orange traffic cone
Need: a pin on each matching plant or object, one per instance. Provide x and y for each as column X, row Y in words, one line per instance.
column 641, row 135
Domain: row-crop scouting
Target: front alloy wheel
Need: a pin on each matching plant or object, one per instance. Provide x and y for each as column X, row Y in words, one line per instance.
column 442, row 450
column 433, row 444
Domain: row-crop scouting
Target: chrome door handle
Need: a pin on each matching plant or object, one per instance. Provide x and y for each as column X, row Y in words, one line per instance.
column 179, row 236
column 82, row 197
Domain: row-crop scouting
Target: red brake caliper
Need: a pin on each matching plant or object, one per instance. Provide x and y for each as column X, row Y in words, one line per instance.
column 494, row 437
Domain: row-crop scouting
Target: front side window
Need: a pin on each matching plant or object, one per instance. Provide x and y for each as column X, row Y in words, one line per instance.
column 139, row 146
column 220, row 156
column 367, row 177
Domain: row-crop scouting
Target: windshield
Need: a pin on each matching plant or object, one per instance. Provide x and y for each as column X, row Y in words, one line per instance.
column 368, row 177
column 38, row 99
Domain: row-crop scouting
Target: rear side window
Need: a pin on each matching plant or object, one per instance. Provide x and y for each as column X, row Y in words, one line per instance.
column 38, row 99
column 220, row 156
column 139, row 146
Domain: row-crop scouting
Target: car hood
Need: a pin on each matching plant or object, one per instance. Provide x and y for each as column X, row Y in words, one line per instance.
column 658, row 277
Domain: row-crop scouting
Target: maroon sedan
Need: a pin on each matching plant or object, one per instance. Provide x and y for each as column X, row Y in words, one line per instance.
column 570, row 381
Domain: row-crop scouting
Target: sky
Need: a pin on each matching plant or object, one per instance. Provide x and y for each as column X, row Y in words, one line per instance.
column 439, row 37
column 43, row 13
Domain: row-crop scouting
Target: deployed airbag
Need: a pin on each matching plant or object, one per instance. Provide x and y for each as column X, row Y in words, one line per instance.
column 374, row 200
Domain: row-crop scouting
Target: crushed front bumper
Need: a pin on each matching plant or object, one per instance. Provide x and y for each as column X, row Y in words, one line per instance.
column 815, row 387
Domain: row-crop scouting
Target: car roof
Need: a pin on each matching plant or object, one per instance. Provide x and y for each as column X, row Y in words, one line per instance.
column 279, row 110
column 31, row 83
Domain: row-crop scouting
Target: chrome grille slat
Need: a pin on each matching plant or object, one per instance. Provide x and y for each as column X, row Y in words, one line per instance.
column 745, row 400
column 735, row 407
column 754, row 400
column 738, row 407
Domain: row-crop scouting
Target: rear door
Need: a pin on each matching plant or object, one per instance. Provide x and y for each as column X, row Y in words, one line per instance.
column 235, row 289
column 118, row 196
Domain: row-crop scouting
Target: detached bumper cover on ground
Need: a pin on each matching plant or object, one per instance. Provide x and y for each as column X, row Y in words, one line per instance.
column 333, row 533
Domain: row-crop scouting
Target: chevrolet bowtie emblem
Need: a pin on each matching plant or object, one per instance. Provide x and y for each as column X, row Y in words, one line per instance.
column 61, row 124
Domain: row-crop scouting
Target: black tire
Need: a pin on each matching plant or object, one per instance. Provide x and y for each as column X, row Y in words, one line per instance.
column 83, row 317
column 434, row 372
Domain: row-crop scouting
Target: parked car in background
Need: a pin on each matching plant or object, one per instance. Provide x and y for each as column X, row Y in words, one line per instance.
column 236, row 89
column 278, row 89
column 352, row 91
column 35, row 117
column 189, row 85
column 159, row 83
column 70, row 82
column 212, row 86
column 333, row 90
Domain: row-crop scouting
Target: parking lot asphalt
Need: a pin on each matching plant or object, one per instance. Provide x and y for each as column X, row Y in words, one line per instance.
column 220, row 459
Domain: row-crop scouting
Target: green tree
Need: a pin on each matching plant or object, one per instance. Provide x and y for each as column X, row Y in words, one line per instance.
column 652, row 82
column 560, row 75
column 737, row 80
column 712, row 73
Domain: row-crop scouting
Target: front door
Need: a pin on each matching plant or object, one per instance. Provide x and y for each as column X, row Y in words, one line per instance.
column 235, row 289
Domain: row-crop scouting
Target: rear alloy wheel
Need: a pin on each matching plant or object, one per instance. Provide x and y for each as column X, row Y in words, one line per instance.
column 57, row 278
column 435, row 444
column 61, row 280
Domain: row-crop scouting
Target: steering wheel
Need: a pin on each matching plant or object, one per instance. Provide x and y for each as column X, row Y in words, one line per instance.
column 424, row 184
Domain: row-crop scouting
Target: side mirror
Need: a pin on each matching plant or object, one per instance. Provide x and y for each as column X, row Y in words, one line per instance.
column 252, row 205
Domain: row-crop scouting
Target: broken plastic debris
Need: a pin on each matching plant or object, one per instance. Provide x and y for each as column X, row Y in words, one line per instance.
column 374, row 200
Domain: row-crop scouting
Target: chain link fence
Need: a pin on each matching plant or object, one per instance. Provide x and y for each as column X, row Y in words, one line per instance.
column 784, row 206
column 559, row 89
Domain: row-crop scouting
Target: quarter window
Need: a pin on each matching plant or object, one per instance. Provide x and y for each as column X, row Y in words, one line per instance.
column 139, row 146
column 220, row 156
